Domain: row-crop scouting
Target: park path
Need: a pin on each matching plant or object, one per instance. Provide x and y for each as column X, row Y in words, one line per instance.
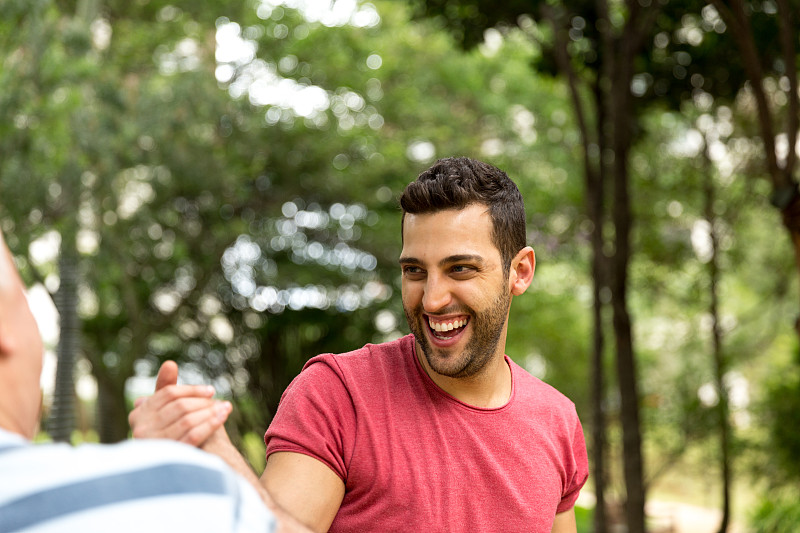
column 665, row 516
column 678, row 517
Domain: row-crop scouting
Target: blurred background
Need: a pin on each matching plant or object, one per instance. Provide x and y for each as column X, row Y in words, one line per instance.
column 216, row 182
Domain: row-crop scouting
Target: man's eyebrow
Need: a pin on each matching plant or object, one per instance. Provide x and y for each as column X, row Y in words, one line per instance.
column 463, row 258
column 449, row 260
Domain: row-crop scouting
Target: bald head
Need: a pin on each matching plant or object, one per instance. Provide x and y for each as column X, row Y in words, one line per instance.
column 20, row 352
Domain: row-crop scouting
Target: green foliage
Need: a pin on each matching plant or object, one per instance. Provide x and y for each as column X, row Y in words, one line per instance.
column 781, row 410
column 777, row 514
column 253, row 450
column 583, row 519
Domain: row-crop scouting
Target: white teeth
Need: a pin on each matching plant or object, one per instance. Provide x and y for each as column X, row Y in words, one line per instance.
column 447, row 326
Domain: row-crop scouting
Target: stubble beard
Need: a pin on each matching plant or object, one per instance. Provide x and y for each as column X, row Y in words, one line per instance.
column 487, row 328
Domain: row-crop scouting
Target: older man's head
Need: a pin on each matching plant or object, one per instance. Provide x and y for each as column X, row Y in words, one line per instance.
column 20, row 353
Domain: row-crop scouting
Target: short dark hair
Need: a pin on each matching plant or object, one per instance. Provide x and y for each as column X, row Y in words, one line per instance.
column 457, row 182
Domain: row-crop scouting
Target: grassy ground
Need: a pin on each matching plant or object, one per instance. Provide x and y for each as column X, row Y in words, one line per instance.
column 583, row 517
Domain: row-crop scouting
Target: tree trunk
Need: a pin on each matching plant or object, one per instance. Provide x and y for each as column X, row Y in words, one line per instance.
column 62, row 414
column 598, row 388
column 718, row 357
column 112, row 412
column 594, row 178
column 619, row 114
column 626, row 367
column 596, row 192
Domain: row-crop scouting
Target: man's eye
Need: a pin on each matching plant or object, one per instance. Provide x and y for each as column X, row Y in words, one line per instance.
column 411, row 270
column 461, row 269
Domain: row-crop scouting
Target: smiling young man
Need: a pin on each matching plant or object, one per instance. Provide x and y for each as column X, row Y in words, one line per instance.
column 438, row 430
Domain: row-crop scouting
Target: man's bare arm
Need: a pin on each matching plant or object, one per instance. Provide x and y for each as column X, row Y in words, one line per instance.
column 565, row 522
column 220, row 445
column 305, row 487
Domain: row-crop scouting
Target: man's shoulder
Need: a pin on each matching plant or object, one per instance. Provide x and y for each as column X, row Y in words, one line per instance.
column 532, row 389
column 127, row 455
column 373, row 366
column 367, row 356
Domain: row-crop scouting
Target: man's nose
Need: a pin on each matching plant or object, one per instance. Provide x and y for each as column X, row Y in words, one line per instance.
column 437, row 293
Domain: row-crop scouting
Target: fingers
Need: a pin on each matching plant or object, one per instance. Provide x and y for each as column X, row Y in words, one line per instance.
column 172, row 393
column 157, row 418
column 201, row 425
column 151, row 415
column 189, row 420
column 167, row 375
column 173, row 411
column 199, row 391
column 186, row 413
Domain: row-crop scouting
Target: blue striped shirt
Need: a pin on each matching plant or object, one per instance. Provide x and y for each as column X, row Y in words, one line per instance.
column 147, row 486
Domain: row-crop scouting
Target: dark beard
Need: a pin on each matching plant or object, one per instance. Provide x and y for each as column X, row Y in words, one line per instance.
column 487, row 328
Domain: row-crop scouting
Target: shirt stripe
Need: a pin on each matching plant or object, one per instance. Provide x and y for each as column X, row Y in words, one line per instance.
column 162, row 480
column 10, row 448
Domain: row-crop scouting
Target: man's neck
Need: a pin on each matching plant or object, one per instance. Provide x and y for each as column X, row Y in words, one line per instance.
column 7, row 432
column 488, row 389
column 10, row 424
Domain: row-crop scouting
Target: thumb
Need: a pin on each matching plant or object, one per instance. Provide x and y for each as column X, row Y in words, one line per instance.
column 167, row 375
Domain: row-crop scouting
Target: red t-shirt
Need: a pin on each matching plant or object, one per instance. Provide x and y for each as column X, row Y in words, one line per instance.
column 413, row 457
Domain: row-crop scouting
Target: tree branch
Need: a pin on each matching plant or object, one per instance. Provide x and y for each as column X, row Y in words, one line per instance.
column 565, row 65
column 736, row 19
column 786, row 34
column 638, row 26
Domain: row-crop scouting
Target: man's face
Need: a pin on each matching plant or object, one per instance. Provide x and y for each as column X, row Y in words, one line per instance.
column 455, row 291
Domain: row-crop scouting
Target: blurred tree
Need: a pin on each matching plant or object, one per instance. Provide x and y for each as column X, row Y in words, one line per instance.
column 719, row 358
column 59, row 108
column 690, row 63
column 749, row 25
column 683, row 389
column 760, row 85
column 92, row 104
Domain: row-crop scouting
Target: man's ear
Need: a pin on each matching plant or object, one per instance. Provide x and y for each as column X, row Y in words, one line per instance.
column 522, row 268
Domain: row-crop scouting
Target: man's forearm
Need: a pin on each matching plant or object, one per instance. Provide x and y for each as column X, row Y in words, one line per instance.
column 220, row 445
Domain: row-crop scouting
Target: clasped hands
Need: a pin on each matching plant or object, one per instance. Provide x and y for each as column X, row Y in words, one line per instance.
column 185, row 413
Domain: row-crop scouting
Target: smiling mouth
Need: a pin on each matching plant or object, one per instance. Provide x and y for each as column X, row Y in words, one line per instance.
column 447, row 329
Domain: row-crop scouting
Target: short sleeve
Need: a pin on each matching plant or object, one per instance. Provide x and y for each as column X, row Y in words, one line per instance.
column 316, row 417
column 578, row 468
